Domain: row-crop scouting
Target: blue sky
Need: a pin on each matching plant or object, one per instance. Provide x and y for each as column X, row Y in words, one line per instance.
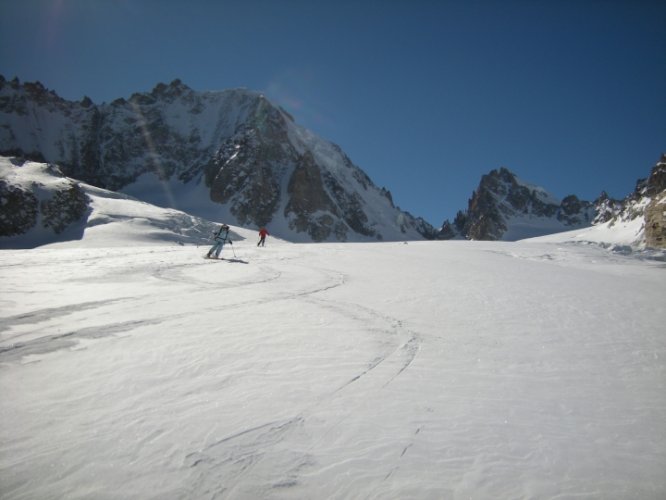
column 425, row 96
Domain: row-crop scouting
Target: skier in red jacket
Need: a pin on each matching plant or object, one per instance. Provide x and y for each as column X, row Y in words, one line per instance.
column 262, row 236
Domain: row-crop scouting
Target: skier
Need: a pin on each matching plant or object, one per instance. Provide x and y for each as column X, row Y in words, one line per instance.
column 262, row 236
column 221, row 236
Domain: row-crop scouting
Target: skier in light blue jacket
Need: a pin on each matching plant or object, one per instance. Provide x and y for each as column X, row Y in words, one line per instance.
column 221, row 236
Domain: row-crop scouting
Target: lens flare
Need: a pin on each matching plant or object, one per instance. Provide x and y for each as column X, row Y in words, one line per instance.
column 153, row 155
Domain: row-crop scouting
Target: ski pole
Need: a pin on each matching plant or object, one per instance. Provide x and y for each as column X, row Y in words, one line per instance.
column 232, row 248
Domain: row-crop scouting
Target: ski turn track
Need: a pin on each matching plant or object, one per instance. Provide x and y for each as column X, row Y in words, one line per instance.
column 168, row 291
column 250, row 455
column 374, row 371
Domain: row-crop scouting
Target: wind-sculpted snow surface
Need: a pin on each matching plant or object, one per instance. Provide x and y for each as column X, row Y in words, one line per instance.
column 444, row 370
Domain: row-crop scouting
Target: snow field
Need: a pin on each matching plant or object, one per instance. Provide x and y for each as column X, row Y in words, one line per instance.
column 421, row 370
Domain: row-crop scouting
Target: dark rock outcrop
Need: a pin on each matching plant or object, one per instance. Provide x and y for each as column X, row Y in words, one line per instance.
column 55, row 206
column 655, row 212
column 18, row 209
column 257, row 164
column 65, row 207
column 502, row 201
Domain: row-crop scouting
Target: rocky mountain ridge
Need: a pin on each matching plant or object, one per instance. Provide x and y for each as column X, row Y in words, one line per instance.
column 649, row 202
column 229, row 155
column 504, row 207
column 502, row 201
column 233, row 156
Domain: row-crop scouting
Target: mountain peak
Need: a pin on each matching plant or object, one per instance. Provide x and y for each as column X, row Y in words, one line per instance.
column 656, row 182
column 175, row 89
column 508, row 208
column 228, row 155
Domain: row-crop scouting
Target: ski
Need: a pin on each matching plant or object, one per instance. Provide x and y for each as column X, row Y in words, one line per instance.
column 236, row 261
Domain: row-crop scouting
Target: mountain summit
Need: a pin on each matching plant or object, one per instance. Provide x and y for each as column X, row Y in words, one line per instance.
column 505, row 207
column 234, row 156
column 228, row 155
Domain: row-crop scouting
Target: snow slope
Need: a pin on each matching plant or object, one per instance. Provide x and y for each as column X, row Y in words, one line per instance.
column 451, row 370
column 621, row 232
column 114, row 219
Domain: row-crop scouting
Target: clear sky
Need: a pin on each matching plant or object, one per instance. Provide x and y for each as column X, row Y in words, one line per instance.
column 425, row 96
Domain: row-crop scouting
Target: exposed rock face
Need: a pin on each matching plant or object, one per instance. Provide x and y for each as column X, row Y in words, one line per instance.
column 502, row 203
column 26, row 204
column 645, row 205
column 655, row 212
column 65, row 207
column 246, row 172
column 259, row 168
column 606, row 208
column 655, row 223
column 18, row 209
column 503, row 207
column 311, row 208
column 656, row 183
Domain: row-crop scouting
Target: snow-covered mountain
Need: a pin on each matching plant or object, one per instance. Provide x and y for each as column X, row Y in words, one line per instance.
column 637, row 222
column 40, row 206
column 507, row 208
column 228, row 156
column 233, row 156
column 504, row 207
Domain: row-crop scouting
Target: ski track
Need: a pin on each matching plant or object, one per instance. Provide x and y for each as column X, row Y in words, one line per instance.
column 240, row 453
column 50, row 343
column 177, row 274
column 280, row 455
column 48, row 313
column 251, row 446
column 392, row 330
